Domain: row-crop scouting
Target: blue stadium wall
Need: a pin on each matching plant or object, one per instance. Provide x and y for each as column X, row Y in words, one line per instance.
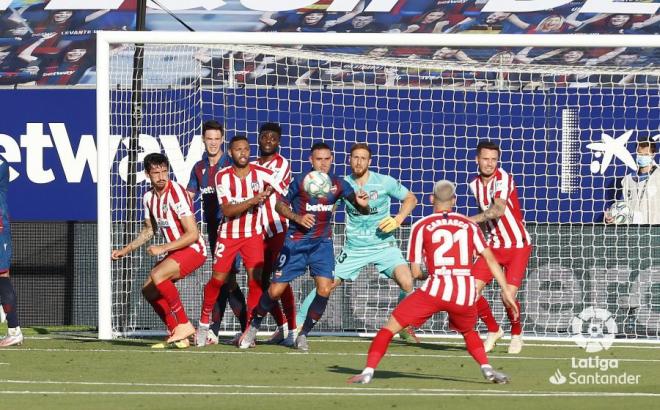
column 52, row 146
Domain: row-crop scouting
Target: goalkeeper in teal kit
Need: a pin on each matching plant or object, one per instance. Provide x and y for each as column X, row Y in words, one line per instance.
column 370, row 238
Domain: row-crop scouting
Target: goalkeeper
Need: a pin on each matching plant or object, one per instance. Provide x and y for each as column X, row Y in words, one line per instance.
column 370, row 238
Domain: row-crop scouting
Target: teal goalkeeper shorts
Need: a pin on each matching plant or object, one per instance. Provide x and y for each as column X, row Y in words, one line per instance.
column 350, row 262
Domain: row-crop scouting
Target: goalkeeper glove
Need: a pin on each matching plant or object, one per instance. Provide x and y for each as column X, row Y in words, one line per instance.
column 388, row 224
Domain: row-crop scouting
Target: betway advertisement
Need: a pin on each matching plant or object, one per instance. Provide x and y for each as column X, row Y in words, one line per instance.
column 565, row 156
column 48, row 137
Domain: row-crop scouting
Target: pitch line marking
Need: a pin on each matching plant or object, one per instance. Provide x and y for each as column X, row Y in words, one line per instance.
column 316, row 394
column 242, row 386
column 527, row 344
column 617, row 344
column 276, row 387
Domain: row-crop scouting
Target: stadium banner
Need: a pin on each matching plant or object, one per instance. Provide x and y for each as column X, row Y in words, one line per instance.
column 48, row 138
column 52, row 42
column 51, row 146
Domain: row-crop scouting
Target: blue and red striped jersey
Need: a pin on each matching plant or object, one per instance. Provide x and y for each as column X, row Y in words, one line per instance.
column 302, row 203
column 202, row 180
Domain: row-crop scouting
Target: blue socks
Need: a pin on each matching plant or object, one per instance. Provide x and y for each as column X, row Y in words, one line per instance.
column 265, row 305
column 314, row 314
column 8, row 300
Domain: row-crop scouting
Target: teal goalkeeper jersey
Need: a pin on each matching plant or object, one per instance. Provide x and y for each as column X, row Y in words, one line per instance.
column 362, row 230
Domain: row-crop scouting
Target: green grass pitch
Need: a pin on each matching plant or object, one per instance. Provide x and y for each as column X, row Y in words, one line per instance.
column 58, row 370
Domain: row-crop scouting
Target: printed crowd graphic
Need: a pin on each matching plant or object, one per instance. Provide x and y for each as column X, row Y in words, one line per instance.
column 53, row 42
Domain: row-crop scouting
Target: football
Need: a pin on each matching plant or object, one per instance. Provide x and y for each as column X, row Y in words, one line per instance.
column 620, row 213
column 317, row 184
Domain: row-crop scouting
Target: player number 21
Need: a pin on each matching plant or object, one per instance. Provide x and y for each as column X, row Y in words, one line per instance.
column 448, row 241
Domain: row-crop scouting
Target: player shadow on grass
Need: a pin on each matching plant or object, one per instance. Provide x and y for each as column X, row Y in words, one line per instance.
column 386, row 374
column 439, row 346
column 41, row 330
column 134, row 342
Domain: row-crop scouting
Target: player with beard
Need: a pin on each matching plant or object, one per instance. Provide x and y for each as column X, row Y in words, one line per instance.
column 308, row 244
column 502, row 216
column 445, row 242
column 168, row 208
column 202, row 180
column 275, row 228
column 241, row 189
column 370, row 238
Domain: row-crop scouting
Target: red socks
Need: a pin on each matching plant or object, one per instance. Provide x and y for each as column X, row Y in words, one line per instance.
column 171, row 295
column 289, row 306
column 254, row 294
column 486, row 315
column 276, row 311
column 211, row 292
column 475, row 347
column 516, row 327
column 379, row 347
column 162, row 309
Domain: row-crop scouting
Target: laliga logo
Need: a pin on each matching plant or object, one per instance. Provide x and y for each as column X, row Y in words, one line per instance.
column 593, row 329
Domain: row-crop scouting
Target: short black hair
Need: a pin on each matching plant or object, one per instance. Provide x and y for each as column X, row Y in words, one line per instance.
column 488, row 144
column 647, row 141
column 238, row 138
column 271, row 126
column 153, row 159
column 320, row 145
column 212, row 125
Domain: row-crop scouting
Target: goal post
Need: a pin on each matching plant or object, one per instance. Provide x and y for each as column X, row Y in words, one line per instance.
column 422, row 115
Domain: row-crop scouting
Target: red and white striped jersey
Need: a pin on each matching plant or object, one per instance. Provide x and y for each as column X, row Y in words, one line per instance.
column 167, row 211
column 446, row 242
column 509, row 230
column 233, row 190
column 273, row 222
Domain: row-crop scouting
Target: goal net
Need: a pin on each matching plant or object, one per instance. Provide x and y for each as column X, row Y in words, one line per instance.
column 565, row 111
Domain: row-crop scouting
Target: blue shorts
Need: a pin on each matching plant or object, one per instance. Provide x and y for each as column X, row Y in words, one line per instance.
column 5, row 247
column 295, row 256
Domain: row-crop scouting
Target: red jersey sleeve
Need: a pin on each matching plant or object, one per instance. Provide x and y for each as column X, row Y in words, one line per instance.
column 503, row 186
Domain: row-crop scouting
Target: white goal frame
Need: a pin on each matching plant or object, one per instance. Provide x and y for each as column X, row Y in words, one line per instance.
column 107, row 38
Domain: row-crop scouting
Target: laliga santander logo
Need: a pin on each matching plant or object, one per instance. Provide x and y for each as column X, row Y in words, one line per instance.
column 557, row 378
column 593, row 329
